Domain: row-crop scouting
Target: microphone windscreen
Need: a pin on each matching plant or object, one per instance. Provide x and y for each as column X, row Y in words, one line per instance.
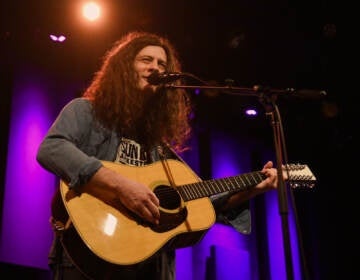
column 154, row 78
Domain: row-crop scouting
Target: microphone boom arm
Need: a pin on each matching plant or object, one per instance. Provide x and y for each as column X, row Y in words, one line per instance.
column 256, row 90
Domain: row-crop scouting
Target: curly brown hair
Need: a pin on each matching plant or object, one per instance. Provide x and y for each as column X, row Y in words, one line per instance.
column 121, row 106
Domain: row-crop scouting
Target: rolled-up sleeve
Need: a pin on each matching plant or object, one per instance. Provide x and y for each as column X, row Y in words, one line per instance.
column 239, row 218
column 65, row 150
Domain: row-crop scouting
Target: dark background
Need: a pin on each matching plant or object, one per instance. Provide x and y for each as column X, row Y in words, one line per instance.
column 277, row 44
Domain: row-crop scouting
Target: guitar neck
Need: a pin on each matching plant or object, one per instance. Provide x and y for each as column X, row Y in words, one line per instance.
column 215, row 186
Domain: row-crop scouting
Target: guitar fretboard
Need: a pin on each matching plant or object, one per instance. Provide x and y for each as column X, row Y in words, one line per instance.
column 215, row 186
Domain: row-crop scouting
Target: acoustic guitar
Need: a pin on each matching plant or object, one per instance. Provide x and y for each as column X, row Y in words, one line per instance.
column 112, row 236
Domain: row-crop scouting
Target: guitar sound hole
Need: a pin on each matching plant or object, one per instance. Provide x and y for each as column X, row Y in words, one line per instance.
column 169, row 200
column 168, row 197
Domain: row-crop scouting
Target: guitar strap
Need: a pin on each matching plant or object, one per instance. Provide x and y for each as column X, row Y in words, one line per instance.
column 176, row 156
column 165, row 164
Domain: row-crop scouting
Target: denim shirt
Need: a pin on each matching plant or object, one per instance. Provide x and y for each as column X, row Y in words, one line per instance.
column 76, row 143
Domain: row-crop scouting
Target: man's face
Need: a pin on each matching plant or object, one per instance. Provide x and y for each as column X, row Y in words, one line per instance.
column 148, row 60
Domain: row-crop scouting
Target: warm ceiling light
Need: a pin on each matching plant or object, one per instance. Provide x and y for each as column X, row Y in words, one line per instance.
column 91, row 11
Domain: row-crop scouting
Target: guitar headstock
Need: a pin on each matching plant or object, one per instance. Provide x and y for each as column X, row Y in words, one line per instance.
column 299, row 175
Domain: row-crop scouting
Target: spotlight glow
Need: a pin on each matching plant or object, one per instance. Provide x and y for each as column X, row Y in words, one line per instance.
column 251, row 112
column 55, row 38
column 61, row 38
column 91, row 11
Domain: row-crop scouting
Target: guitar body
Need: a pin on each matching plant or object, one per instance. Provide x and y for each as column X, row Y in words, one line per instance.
column 89, row 263
column 113, row 236
column 106, row 241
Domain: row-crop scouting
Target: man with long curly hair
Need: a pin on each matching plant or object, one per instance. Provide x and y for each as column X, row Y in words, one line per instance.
column 122, row 118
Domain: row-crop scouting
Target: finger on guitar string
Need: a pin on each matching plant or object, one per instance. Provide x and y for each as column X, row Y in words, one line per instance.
column 150, row 213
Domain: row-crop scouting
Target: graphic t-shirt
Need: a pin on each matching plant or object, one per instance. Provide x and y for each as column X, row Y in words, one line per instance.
column 131, row 153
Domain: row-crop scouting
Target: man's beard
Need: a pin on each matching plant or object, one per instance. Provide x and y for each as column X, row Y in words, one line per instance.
column 149, row 115
column 148, row 98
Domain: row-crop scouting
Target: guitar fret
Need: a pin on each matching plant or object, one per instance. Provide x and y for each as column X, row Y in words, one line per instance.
column 243, row 182
column 240, row 186
column 221, row 185
column 261, row 176
column 212, row 188
column 202, row 190
column 209, row 188
column 247, row 179
column 230, row 184
column 197, row 191
column 226, row 184
column 253, row 179
column 187, row 191
column 193, row 191
column 234, row 183
column 218, row 185
column 183, row 193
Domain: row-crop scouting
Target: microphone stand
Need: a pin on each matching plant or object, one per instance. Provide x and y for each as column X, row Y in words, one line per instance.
column 268, row 100
column 268, row 97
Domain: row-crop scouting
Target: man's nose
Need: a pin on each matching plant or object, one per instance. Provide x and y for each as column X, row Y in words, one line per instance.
column 154, row 65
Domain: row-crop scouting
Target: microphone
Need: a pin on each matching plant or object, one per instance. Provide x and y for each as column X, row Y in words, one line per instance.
column 156, row 78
